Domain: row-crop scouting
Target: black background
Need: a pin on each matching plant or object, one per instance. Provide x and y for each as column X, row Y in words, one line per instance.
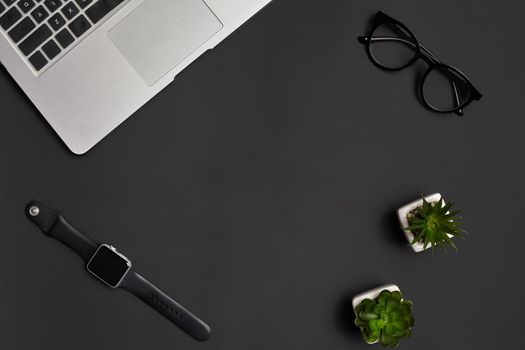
column 260, row 191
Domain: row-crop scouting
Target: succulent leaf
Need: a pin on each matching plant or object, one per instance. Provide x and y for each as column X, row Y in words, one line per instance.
column 433, row 223
column 367, row 316
column 397, row 295
column 386, row 319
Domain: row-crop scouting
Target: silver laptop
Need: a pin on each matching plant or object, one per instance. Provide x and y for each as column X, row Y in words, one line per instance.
column 87, row 65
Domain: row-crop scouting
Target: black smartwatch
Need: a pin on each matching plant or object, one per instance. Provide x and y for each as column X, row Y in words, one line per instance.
column 114, row 269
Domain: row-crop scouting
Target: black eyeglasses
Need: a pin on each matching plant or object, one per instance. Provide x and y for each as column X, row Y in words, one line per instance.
column 392, row 46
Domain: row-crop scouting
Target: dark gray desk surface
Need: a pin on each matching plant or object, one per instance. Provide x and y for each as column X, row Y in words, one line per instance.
column 260, row 191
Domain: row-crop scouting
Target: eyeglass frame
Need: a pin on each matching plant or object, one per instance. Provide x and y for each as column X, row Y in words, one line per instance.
column 421, row 52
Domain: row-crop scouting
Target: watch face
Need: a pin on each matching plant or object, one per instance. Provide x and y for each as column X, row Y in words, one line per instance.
column 108, row 265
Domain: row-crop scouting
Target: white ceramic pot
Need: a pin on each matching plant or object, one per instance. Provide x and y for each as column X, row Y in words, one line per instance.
column 403, row 212
column 372, row 294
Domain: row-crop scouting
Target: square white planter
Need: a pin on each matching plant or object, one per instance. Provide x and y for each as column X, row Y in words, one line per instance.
column 372, row 294
column 403, row 212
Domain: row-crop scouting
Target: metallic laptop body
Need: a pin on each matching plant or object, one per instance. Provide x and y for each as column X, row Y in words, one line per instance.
column 87, row 65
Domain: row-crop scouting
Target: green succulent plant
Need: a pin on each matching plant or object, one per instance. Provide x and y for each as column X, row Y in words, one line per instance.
column 386, row 319
column 433, row 224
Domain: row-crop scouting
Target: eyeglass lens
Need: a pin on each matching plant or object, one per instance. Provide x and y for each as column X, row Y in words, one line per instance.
column 444, row 89
column 392, row 47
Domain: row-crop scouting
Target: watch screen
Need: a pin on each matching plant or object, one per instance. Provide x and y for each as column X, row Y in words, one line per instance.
column 109, row 266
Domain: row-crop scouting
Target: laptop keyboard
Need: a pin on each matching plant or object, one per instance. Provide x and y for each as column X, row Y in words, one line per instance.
column 43, row 29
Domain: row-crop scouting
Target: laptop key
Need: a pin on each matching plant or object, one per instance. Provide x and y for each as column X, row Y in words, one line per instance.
column 64, row 38
column 51, row 49
column 101, row 8
column 39, row 14
column 23, row 28
column 38, row 60
column 9, row 18
column 70, row 10
column 53, row 5
column 79, row 26
column 26, row 5
column 9, row 2
column 2, row 8
column 83, row 3
column 57, row 21
column 34, row 40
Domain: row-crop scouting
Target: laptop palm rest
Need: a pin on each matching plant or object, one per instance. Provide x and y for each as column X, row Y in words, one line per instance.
column 160, row 34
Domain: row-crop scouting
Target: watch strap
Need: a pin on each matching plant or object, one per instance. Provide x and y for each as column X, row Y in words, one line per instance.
column 165, row 305
column 53, row 224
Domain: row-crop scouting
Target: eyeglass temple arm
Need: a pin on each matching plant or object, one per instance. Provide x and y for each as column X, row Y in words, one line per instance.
column 459, row 112
column 426, row 52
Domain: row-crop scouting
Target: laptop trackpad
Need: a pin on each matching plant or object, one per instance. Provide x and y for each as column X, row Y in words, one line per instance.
column 160, row 34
